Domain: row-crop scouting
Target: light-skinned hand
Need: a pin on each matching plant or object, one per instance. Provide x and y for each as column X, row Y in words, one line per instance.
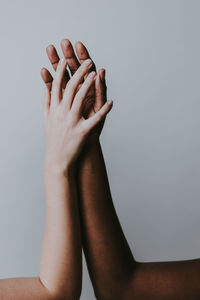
column 96, row 96
column 65, row 127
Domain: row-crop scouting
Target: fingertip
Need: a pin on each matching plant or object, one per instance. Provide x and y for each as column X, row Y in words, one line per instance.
column 65, row 43
column 102, row 70
column 50, row 48
column 42, row 72
column 99, row 82
column 92, row 75
column 108, row 106
column 82, row 51
column 80, row 48
column 46, row 76
column 78, row 44
column 102, row 74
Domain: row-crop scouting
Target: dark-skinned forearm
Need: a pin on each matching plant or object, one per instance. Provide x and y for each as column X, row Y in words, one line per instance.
column 110, row 261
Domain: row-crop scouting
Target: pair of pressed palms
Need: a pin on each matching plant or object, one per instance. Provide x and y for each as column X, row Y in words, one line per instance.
column 79, row 208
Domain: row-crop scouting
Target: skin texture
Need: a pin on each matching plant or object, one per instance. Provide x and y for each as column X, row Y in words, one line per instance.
column 65, row 132
column 114, row 272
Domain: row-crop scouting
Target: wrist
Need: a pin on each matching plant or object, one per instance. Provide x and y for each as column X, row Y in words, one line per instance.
column 91, row 143
column 54, row 169
column 88, row 155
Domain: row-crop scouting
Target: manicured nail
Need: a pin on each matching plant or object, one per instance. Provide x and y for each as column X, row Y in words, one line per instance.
column 92, row 74
column 88, row 62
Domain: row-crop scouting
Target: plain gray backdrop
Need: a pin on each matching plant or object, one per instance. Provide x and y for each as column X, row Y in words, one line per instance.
column 150, row 50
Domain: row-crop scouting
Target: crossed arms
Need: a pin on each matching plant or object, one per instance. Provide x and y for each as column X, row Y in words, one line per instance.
column 79, row 208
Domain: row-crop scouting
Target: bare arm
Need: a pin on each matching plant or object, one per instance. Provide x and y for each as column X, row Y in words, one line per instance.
column 60, row 265
column 65, row 133
column 113, row 271
column 110, row 261
column 165, row 280
column 60, row 272
column 61, row 259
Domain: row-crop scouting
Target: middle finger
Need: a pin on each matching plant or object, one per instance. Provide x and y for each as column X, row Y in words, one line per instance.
column 70, row 56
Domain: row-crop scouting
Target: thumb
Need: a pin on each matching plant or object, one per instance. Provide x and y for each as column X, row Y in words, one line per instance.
column 95, row 119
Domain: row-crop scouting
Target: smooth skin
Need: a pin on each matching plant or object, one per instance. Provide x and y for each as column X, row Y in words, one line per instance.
column 114, row 272
column 65, row 132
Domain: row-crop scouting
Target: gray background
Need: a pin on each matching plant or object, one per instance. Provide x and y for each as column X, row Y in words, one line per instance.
column 150, row 50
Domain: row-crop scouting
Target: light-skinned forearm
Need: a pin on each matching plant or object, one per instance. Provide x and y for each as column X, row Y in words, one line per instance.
column 60, row 267
column 61, row 254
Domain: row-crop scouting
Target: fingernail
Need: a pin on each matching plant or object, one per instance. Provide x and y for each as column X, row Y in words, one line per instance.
column 110, row 102
column 88, row 62
column 92, row 74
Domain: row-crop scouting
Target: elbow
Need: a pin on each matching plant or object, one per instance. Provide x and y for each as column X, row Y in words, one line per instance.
column 71, row 292
column 67, row 295
column 117, row 288
column 111, row 292
column 64, row 296
column 114, row 294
